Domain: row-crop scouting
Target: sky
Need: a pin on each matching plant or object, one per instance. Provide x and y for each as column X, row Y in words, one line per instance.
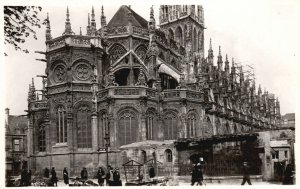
column 263, row 34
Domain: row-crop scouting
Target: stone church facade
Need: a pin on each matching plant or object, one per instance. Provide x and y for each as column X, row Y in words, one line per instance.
column 146, row 93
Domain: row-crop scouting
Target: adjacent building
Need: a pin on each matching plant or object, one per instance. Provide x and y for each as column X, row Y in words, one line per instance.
column 148, row 94
column 15, row 143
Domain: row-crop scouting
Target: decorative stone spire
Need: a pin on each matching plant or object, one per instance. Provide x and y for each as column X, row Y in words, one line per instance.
column 68, row 30
column 93, row 23
column 80, row 32
column 151, row 24
column 226, row 65
column 48, row 29
column 220, row 61
column 259, row 90
column 103, row 18
column 88, row 28
column 210, row 54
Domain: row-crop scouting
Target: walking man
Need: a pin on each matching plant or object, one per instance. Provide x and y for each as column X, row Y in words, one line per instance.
column 84, row 174
column 246, row 173
column 53, row 176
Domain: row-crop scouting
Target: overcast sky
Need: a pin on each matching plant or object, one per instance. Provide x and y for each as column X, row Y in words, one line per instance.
column 262, row 34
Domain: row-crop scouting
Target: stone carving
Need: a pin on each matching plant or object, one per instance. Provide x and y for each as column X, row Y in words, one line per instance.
column 83, row 72
column 141, row 79
column 126, row 91
column 59, row 73
column 141, row 52
column 116, row 52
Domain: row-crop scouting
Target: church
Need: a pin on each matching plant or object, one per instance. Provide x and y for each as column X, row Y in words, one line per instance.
column 135, row 89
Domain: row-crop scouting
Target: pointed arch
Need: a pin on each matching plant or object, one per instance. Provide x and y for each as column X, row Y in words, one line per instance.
column 195, row 41
column 151, row 122
column 127, row 126
column 84, row 126
column 171, row 34
column 179, row 35
column 185, row 30
column 170, row 126
column 116, row 51
column 61, row 125
column 191, row 125
column 141, row 51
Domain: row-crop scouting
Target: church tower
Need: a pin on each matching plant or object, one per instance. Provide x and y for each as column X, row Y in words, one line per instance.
column 185, row 25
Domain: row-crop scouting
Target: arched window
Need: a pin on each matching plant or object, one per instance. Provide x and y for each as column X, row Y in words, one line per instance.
column 195, row 41
column 141, row 52
column 227, row 129
column 103, row 126
column 170, row 126
column 171, row 34
column 61, row 125
column 150, row 124
column 207, row 129
column 143, row 156
column 191, row 125
column 219, row 129
column 128, row 127
column 178, row 34
column 116, row 52
column 42, row 138
column 84, row 130
column 169, row 156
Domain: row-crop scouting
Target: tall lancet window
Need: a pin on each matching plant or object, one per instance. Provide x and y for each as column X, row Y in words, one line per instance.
column 103, row 126
column 191, row 125
column 61, row 125
column 170, row 126
column 42, row 138
column 128, row 127
column 150, row 124
column 84, row 130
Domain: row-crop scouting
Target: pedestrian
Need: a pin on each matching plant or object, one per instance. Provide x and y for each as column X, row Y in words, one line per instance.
column 288, row 175
column 109, row 176
column 116, row 178
column 100, row 176
column 53, row 178
column 23, row 177
column 246, row 173
column 84, row 174
column 66, row 176
column 46, row 173
column 195, row 175
column 28, row 179
column 151, row 172
column 200, row 174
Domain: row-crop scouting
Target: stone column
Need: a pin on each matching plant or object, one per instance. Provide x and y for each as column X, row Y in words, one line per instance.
column 94, row 131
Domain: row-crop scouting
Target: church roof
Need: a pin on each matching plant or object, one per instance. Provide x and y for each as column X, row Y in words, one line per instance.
column 121, row 18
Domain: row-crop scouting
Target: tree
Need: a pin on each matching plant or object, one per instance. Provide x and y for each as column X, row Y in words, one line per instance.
column 19, row 23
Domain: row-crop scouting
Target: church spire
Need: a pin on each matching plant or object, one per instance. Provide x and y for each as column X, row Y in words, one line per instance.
column 48, row 29
column 68, row 30
column 80, row 32
column 103, row 18
column 210, row 53
column 220, row 61
column 93, row 23
column 88, row 28
column 226, row 65
column 151, row 24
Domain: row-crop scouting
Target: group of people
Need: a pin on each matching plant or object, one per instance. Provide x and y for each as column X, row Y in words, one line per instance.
column 25, row 177
column 53, row 179
column 112, row 177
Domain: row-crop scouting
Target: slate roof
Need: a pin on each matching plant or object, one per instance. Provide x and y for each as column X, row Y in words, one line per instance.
column 121, row 18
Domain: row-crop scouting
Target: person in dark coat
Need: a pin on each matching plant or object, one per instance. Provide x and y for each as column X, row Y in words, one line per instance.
column 246, row 174
column 116, row 178
column 46, row 172
column 84, row 174
column 23, row 177
column 200, row 174
column 151, row 172
column 28, row 178
column 195, row 175
column 288, row 175
column 109, row 176
column 53, row 178
column 66, row 176
column 100, row 176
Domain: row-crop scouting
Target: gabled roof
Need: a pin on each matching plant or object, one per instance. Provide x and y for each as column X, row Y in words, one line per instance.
column 121, row 18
